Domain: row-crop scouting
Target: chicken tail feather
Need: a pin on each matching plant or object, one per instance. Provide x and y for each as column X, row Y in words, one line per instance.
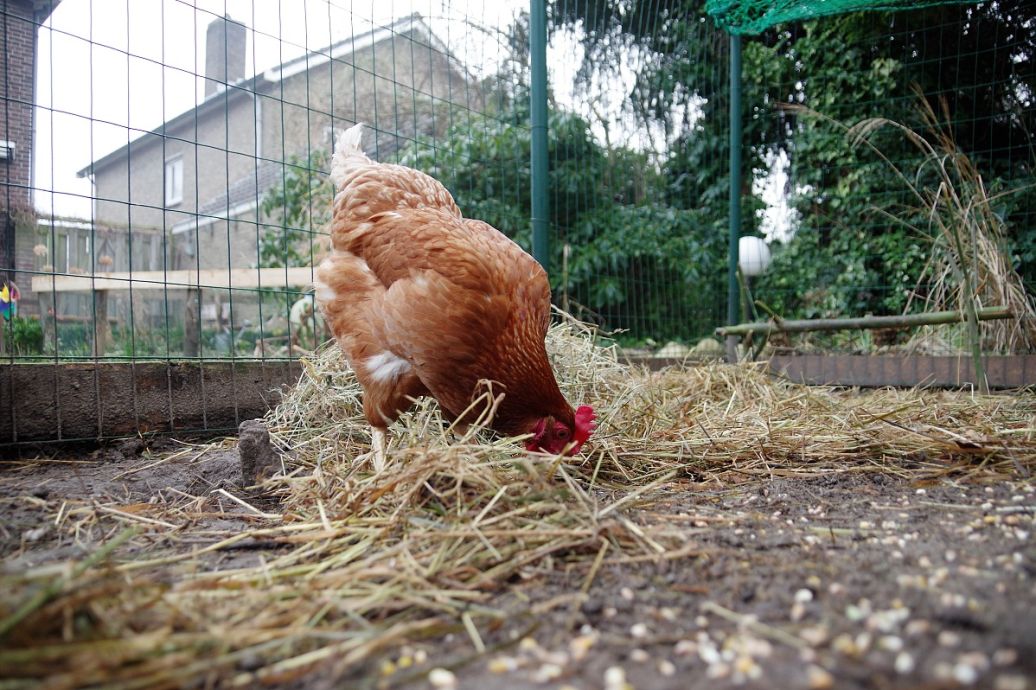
column 348, row 154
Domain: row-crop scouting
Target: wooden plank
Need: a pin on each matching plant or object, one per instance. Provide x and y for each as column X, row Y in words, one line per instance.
column 84, row 401
column 869, row 371
column 863, row 322
column 244, row 278
column 101, row 325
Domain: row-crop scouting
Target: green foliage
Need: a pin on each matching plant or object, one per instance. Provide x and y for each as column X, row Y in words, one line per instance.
column 25, row 335
column 634, row 262
column 299, row 206
column 846, row 255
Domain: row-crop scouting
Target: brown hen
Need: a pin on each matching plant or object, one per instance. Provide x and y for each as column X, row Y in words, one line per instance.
column 426, row 302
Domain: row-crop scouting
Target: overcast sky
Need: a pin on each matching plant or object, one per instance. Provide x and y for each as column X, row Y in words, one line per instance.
column 108, row 70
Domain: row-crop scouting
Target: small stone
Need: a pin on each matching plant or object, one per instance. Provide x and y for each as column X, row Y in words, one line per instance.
column 442, row 679
column 610, row 612
column 904, row 663
column 818, row 678
column 701, row 621
column 257, row 456
column 804, row 595
column 640, row 656
column 639, row 631
column 666, row 668
column 626, row 593
column 948, row 638
column 36, row 533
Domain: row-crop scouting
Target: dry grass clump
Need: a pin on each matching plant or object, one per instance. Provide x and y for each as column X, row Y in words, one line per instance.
column 969, row 266
column 352, row 563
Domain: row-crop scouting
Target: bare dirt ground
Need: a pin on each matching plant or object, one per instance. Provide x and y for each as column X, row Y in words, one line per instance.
column 856, row 579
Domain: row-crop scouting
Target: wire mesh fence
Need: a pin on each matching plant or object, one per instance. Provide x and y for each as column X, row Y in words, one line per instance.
column 166, row 199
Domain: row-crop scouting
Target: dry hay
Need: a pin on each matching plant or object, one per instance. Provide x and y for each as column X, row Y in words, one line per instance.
column 368, row 562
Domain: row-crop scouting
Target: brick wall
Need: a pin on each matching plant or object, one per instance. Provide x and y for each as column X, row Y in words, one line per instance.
column 17, row 71
column 18, row 34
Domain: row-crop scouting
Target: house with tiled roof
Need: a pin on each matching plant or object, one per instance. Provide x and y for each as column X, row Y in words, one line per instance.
column 188, row 194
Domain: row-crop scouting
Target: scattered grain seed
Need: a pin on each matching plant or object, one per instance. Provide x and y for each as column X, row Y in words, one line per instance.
column 818, row 678
column 965, row 674
column 580, row 646
column 804, row 595
column 503, row 664
column 977, row 660
column 639, row 630
column 640, row 656
column 904, row 663
column 1010, row 681
column 627, row 593
column 528, row 644
column 547, row 673
column 918, row 626
column 615, row 678
column 685, row 648
column 1005, row 657
column 442, row 679
column 666, row 668
column 948, row 638
column 815, row 635
column 891, row 643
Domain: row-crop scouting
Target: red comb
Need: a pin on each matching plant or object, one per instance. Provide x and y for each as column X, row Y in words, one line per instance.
column 585, row 423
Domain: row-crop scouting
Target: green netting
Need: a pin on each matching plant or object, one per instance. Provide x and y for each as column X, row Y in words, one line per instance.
column 754, row 16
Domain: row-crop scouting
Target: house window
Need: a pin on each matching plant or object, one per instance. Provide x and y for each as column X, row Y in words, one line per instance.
column 61, row 252
column 174, row 181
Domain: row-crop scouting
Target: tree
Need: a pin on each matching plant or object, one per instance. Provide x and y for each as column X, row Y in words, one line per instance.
column 295, row 212
column 844, row 256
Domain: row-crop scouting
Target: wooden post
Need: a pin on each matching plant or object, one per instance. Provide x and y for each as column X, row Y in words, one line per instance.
column 191, row 325
column 100, row 322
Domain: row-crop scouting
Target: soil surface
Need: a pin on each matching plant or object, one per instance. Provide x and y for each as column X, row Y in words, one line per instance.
column 852, row 580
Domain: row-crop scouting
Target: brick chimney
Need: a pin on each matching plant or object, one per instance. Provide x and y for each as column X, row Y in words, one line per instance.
column 224, row 54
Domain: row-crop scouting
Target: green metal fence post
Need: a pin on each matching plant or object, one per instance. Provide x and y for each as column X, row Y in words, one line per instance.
column 735, row 191
column 540, row 200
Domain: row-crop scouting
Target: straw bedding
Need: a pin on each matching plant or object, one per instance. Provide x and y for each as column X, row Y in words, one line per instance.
column 359, row 563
